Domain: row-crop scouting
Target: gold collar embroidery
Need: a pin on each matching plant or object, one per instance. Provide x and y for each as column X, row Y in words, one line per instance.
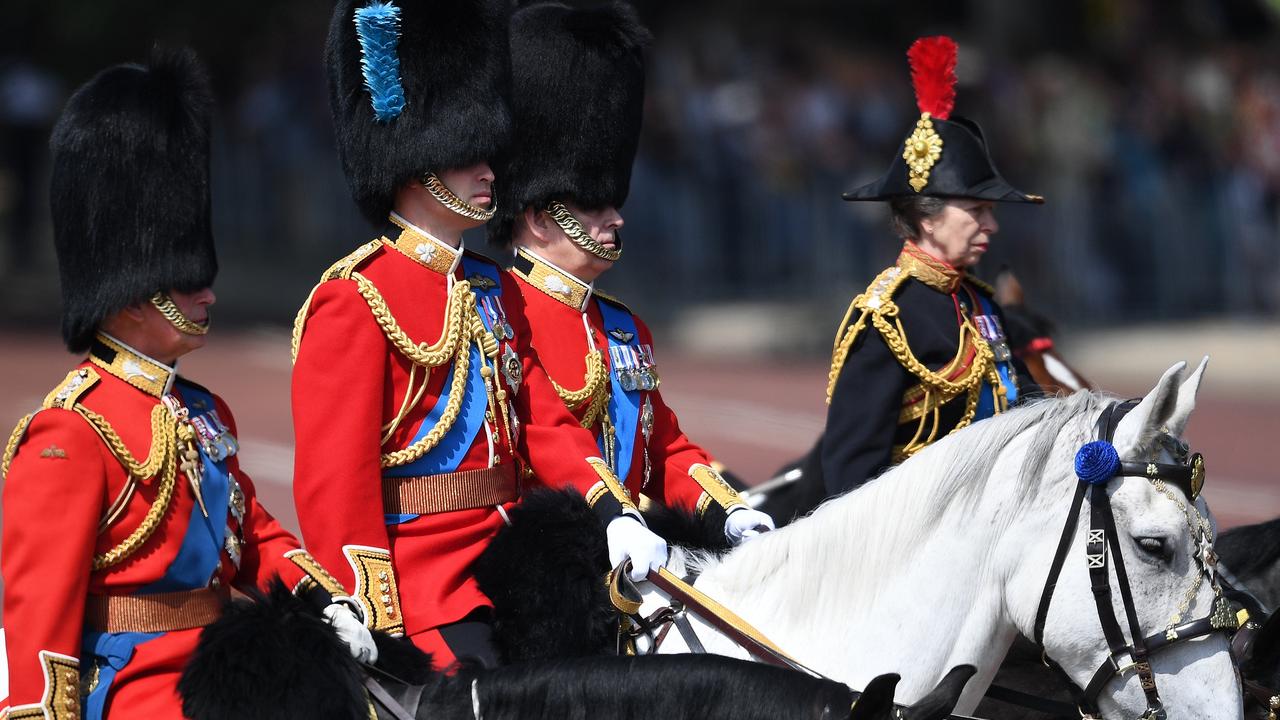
column 424, row 249
column 551, row 280
column 148, row 375
column 928, row 269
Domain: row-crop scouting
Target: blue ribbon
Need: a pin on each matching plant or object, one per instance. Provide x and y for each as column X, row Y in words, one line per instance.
column 1004, row 368
column 446, row 456
column 624, row 405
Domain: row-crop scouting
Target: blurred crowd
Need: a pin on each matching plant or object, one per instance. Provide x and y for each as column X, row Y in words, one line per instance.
column 1157, row 148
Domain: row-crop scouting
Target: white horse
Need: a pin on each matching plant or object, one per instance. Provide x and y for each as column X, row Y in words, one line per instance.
column 942, row 560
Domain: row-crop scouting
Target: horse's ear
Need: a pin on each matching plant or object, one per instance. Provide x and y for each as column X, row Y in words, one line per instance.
column 1144, row 422
column 876, row 700
column 1186, row 400
column 940, row 701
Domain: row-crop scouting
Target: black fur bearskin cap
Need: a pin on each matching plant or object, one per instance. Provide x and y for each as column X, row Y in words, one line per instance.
column 130, row 190
column 453, row 78
column 577, row 101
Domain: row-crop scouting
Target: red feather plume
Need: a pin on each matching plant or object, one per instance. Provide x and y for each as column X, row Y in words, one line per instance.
column 933, row 74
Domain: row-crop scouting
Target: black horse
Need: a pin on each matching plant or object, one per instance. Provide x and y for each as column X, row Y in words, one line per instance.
column 274, row 656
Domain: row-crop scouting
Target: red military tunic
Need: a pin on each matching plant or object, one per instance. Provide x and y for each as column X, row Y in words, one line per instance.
column 73, row 535
column 360, row 405
column 567, row 324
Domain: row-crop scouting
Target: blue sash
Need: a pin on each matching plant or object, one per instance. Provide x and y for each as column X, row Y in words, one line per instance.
column 446, row 456
column 201, row 550
column 624, row 405
column 988, row 323
column 109, row 653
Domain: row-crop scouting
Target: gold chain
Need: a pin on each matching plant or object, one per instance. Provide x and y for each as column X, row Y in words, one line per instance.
column 577, row 234
column 447, row 198
column 1195, row 523
column 170, row 311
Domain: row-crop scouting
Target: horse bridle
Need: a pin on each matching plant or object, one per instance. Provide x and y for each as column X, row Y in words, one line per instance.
column 1097, row 464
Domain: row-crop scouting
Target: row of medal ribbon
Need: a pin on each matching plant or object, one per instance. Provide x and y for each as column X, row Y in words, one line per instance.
column 634, row 367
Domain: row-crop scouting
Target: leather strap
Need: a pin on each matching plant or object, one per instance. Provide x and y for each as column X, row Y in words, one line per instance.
column 161, row 612
column 447, row 492
column 724, row 620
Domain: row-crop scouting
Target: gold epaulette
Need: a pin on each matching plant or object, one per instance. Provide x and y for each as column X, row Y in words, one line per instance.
column 66, row 395
column 982, row 285
column 874, row 303
column 612, row 300
column 340, row 270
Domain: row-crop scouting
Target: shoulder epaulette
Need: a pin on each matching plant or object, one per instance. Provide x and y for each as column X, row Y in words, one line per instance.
column 66, row 395
column 340, row 270
column 872, row 303
column 344, row 267
column 68, row 392
column 986, row 287
column 611, row 300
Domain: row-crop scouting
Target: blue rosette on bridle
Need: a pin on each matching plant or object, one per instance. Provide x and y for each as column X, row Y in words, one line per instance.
column 1097, row 462
column 378, row 29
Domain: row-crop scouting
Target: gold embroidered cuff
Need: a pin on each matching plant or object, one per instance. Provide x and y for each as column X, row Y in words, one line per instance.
column 61, row 699
column 608, row 486
column 714, row 489
column 315, row 575
column 376, row 587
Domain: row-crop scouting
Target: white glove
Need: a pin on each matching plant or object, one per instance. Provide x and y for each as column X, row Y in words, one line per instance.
column 745, row 523
column 630, row 540
column 352, row 632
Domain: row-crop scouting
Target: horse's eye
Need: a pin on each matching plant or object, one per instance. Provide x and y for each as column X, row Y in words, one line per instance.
column 1154, row 547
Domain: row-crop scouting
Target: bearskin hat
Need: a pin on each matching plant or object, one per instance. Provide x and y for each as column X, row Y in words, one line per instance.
column 130, row 190
column 945, row 155
column 415, row 87
column 577, row 101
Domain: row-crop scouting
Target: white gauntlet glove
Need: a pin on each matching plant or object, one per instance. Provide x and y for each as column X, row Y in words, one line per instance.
column 352, row 632
column 630, row 540
column 745, row 523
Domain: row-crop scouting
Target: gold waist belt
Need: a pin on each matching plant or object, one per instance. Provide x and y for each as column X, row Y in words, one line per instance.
column 162, row 612
column 429, row 494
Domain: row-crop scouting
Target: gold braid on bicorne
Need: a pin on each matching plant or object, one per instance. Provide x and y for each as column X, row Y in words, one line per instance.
column 595, row 388
column 877, row 307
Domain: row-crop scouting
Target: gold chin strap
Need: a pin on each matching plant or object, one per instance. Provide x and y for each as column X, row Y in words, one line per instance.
column 577, row 234
column 446, row 198
column 175, row 317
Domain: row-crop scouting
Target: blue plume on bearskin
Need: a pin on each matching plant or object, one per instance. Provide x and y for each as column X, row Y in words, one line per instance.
column 378, row 28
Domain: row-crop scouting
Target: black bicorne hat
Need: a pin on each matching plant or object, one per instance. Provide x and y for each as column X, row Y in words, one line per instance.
column 577, row 101
column 945, row 155
column 130, row 190
column 415, row 86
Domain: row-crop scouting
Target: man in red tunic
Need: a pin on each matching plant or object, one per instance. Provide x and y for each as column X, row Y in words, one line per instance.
column 127, row 518
column 577, row 98
column 419, row 406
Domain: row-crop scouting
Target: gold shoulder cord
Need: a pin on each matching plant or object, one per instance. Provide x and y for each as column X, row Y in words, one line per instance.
column 462, row 326
column 595, row 388
column 11, row 447
column 877, row 300
column 877, row 307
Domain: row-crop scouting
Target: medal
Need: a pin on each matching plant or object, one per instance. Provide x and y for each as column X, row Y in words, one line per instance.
column 512, row 369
